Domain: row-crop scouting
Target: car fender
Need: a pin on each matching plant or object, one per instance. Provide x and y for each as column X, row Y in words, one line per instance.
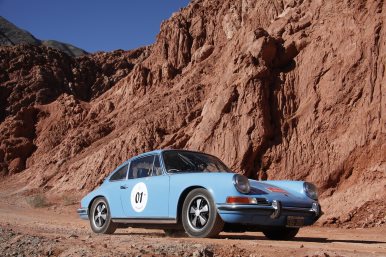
column 219, row 185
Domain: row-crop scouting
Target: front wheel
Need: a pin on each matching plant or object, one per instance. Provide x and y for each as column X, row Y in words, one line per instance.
column 281, row 233
column 199, row 215
column 100, row 218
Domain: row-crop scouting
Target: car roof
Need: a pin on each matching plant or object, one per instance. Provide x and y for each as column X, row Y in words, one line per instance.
column 140, row 155
column 159, row 151
column 148, row 153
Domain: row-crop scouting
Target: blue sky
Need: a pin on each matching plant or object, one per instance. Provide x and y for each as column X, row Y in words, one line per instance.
column 92, row 24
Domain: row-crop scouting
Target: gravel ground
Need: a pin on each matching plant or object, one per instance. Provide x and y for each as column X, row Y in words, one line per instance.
column 57, row 231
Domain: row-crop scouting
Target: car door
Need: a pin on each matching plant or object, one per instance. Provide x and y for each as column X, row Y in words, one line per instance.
column 146, row 192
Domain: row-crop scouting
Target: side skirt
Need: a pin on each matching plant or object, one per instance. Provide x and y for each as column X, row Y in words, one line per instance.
column 145, row 221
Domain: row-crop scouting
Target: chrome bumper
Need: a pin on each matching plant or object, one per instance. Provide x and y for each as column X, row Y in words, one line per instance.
column 83, row 213
column 276, row 209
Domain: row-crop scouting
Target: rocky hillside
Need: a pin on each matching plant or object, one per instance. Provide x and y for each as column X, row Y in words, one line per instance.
column 12, row 35
column 294, row 89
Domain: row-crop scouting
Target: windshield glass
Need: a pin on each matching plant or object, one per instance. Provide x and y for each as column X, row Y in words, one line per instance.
column 184, row 161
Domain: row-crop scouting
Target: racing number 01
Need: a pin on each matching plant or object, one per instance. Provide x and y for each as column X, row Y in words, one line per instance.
column 138, row 197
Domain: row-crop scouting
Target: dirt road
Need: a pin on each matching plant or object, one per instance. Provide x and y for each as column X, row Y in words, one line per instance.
column 57, row 231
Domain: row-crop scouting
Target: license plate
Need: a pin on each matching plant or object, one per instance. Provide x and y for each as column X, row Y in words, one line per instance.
column 295, row 221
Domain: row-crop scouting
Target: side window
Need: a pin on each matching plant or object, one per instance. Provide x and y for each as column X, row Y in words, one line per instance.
column 141, row 167
column 119, row 174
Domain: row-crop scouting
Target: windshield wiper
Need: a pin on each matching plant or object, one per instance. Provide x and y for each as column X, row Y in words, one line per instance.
column 186, row 160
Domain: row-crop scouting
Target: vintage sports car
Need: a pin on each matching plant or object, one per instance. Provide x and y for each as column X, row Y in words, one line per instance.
column 178, row 190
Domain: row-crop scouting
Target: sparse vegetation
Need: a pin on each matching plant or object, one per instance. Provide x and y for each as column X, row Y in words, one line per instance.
column 68, row 200
column 37, row 201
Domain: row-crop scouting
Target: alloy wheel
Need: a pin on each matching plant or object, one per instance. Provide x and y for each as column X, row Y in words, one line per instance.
column 198, row 213
column 100, row 215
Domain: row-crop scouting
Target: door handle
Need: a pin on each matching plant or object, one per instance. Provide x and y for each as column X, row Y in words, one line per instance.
column 123, row 187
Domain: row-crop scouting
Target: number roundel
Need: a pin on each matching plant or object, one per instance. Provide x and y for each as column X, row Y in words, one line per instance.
column 139, row 197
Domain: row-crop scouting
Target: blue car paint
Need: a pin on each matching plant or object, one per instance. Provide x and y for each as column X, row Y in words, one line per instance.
column 165, row 191
column 294, row 195
column 218, row 184
column 158, row 194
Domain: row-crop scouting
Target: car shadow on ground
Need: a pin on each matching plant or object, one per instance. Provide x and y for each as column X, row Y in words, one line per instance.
column 260, row 238
column 140, row 234
column 303, row 239
column 326, row 240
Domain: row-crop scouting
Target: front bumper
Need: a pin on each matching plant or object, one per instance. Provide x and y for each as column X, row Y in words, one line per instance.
column 267, row 215
column 83, row 213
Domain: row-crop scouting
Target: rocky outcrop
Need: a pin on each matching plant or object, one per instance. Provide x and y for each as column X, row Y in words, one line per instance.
column 291, row 89
column 332, row 107
column 33, row 77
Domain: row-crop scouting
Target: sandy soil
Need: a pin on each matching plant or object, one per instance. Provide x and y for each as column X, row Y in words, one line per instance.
column 57, row 231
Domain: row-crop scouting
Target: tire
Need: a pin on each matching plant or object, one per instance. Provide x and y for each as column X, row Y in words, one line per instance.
column 174, row 233
column 100, row 219
column 199, row 215
column 281, row 233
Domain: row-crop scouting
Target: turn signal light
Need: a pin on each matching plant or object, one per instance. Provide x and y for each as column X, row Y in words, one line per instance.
column 241, row 200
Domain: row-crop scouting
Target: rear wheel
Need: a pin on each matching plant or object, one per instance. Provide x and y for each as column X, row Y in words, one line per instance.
column 199, row 215
column 281, row 233
column 100, row 219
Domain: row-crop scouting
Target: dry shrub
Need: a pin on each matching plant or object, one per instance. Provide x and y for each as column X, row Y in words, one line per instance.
column 68, row 200
column 37, row 201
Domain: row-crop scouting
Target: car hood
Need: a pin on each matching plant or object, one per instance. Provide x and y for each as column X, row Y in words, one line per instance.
column 290, row 193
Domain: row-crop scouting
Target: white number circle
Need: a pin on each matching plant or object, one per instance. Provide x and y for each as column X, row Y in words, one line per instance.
column 139, row 197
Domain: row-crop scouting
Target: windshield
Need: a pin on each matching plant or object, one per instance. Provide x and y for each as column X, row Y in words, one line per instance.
column 184, row 161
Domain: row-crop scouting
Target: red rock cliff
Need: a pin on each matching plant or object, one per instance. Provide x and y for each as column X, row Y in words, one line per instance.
column 292, row 88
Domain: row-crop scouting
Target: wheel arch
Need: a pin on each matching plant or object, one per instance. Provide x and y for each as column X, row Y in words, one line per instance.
column 92, row 201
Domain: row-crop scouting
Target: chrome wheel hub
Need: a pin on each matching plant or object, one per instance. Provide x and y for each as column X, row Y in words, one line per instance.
column 100, row 215
column 198, row 213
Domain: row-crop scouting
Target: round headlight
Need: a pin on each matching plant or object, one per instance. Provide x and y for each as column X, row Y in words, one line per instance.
column 241, row 183
column 311, row 190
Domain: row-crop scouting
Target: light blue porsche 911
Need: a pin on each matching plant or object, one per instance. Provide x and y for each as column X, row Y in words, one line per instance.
column 178, row 190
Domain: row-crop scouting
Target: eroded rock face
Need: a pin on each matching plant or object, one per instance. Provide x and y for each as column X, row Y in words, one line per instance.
column 333, row 123
column 35, row 76
column 292, row 89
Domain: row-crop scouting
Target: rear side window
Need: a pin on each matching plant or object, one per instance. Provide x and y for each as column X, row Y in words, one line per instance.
column 142, row 167
column 119, row 174
column 145, row 167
